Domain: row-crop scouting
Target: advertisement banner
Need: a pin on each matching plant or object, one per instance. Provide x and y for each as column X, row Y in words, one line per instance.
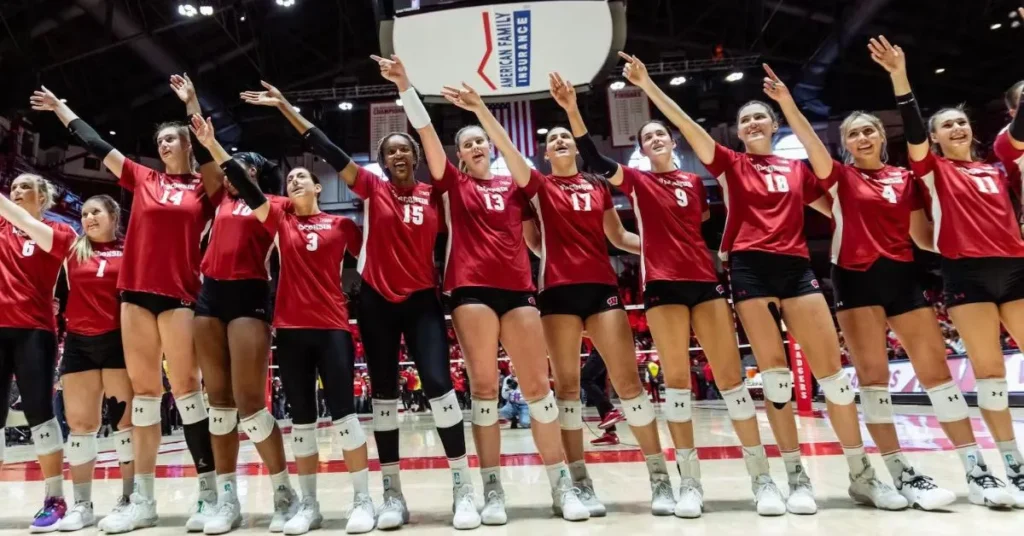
column 628, row 110
column 385, row 117
column 902, row 378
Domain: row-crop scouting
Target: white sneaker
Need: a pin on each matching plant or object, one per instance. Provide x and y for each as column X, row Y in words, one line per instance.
column 77, row 518
column 286, row 505
column 801, row 499
column 362, row 517
column 138, row 514
column 921, row 491
column 691, row 499
column 663, row 503
column 306, row 519
column 589, row 498
column 201, row 511
column 865, row 488
column 494, row 508
column 983, row 489
column 565, row 501
column 227, row 516
column 1016, row 488
column 767, row 497
column 466, row 517
column 393, row 511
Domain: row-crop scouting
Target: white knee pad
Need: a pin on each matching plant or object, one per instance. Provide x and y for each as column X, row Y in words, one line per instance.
column 739, row 403
column 47, row 437
column 837, row 388
column 191, row 408
column 992, row 394
column 678, row 406
column 446, row 410
column 223, row 420
column 948, row 402
column 570, row 414
column 877, row 404
column 485, row 412
column 259, row 425
column 145, row 410
column 385, row 415
column 123, row 445
column 81, row 448
column 639, row 410
column 349, row 432
column 544, row 410
column 304, row 440
column 777, row 385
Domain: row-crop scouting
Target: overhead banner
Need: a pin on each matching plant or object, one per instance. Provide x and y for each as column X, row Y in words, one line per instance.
column 385, row 117
column 903, row 379
column 628, row 109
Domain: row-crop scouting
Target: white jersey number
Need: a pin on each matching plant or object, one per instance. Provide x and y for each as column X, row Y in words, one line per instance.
column 581, row 202
column 776, row 183
column 103, row 268
column 312, row 241
column 413, row 214
column 242, row 210
column 494, row 202
column 28, row 248
column 986, row 185
column 681, row 198
column 889, row 194
column 174, row 198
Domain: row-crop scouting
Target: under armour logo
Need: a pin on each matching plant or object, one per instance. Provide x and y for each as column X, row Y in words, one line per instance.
column 385, row 413
column 548, row 406
column 137, row 410
column 190, row 407
column 952, row 398
column 126, row 441
column 297, row 440
column 680, row 404
column 492, row 479
column 997, row 393
column 75, row 444
column 569, row 410
column 741, row 400
column 44, row 435
column 637, row 408
column 218, row 419
column 485, row 410
column 884, row 401
column 449, row 407
column 343, row 432
column 457, row 479
column 844, row 389
column 784, row 385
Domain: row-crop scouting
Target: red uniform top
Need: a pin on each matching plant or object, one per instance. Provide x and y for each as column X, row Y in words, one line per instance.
column 765, row 198
column 971, row 208
column 571, row 213
column 1012, row 159
column 485, row 231
column 239, row 244
column 93, row 308
column 669, row 211
column 28, row 276
column 169, row 215
column 312, row 250
column 871, row 213
column 399, row 233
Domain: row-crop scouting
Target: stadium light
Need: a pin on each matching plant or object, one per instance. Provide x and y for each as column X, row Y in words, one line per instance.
column 734, row 76
column 677, row 81
column 617, row 85
column 187, row 10
column 542, row 131
column 206, row 11
column 345, row 106
column 940, row 70
column 286, row 3
column 112, row 133
column 996, row 26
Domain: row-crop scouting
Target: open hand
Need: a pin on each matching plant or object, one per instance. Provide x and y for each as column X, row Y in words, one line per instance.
column 43, row 100
column 183, row 87
column 271, row 97
column 562, row 91
column 889, row 56
column 203, row 130
column 466, row 98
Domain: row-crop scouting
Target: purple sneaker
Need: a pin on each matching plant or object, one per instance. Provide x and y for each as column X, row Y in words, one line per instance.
column 48, row 519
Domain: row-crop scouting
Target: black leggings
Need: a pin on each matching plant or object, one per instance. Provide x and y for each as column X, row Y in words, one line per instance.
column 302, row 354
column 29, row 355
column 593, row 379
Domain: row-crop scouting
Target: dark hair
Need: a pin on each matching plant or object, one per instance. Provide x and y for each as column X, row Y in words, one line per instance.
column 268, row 175
column 639, row 133
column 181, row 129
column 416, row 151
column 771, row 111
column 936, row 148
column 1013, row 95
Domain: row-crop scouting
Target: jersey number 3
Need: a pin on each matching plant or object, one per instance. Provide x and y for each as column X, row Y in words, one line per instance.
column 312, row 241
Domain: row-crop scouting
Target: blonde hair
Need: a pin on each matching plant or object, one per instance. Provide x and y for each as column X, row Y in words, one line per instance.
column 933, row 125
column 844, row 127
column 82, row 246
column 44, row 189
column 463, row 166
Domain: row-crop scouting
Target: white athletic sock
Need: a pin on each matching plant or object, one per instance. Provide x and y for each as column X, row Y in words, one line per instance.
column 83, row 492
column 682, row 457
column 279, row 480
column 227, row 482
column 656, row 465
column 207, row 481
column 556, row 472
column 55, row 486
column 389, row 475
column 578, row 470
column 756, row 461
column 856, row 459
column 970, row 456
column 491, row 477
column 144, row 485
column 791, row 460
column 1011, row 456
column 460, row 471
column 895, row 462
column 307, row 483
column 360, row 482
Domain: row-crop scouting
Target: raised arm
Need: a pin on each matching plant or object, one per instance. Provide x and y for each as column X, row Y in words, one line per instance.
column 45, row 100
column 565, row 95
column 393, row 70
column 236, row 174
column 817, row 153
column 618, row 235
column 892, row 59
column 468, row 99
column 700, row 141
column 317, row 140
column 208, row 169
column 36, row 230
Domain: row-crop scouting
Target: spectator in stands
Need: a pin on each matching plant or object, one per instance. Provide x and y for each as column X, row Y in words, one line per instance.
column 516, row 410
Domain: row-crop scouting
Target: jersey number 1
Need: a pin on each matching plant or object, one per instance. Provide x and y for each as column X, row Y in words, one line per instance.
column 103, row 267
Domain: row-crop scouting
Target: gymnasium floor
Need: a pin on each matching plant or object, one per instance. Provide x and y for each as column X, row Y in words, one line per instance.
column 618, row 473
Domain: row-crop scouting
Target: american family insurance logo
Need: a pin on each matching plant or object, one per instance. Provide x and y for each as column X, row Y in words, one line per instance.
column 507, row 38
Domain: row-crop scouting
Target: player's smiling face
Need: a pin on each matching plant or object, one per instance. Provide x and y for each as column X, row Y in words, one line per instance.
column 399, row 158
column 97, row 221
column 952, row 131
column 25, row 193
column 755, row 125
column 863, row 140
column 475, row 151
column 656, row 142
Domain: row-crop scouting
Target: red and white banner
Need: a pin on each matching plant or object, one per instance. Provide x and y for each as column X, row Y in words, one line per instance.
column 802, row 378
column 385, row 117
column 902, row 378
column 628, row 110
column 517, row 118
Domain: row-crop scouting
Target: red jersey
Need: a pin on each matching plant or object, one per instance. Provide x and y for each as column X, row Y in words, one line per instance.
column 971, row 208
column 93, row 307
column 169, row 215
column 239, row 244
column 669, row 211
column 571, row 214
column 765, row 198
column 871, row 213
column 28, row 276
column 485, row 231
column 312, row 250
column 399, row 232
column 1012, row 159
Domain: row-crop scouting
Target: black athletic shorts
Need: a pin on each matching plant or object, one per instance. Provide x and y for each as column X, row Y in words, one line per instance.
column 229, row 300
column 499, row 300
column 582, row 300
column 889, row 284
column 302, row 356
column 995, row 280
column 155, row 303
column 688, row 293
column 30, row 355
column 759, row 274
column 92, row 352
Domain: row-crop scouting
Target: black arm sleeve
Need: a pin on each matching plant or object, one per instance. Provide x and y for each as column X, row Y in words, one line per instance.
column 913, row 123
column 326, row 149
column 201, row 153
column 599, row 163
column 247, row 190
column 90, row 139
column 1017, row 125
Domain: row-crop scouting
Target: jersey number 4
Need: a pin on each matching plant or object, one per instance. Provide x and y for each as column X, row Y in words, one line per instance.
column 414, row 214
column 173, row 197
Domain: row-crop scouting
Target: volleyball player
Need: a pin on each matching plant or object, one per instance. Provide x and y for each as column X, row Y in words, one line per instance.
column 92, row 366
column 311, row 319
column 878, row 211
column 982, row 260
column 170, row 212
column 31, row 252
column 398, row 297
column 681, row 290
column 1009, row 144
column 772, row 281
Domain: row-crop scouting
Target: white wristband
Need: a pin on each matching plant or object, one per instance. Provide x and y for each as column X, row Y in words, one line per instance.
column 414, row 109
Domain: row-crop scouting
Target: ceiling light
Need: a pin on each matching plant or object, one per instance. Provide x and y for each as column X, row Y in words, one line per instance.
column 286, row 3
column 542, row 131
column 940, row 70
column 234, row 149
column 345, row 106
column 206, row 11
column 701, row 119
column 677, row 81
column 996, row 26
column 112, row 133
column 297, row 109
column 242, row 18
column 734, row 76
column 617, row 85
column 187, row 10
